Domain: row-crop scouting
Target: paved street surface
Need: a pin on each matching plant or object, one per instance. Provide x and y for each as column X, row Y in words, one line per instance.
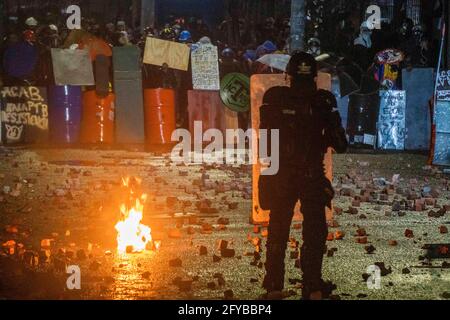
column 59, row 207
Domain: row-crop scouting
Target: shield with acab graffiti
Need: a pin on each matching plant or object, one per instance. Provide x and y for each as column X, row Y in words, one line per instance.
column 235, row 92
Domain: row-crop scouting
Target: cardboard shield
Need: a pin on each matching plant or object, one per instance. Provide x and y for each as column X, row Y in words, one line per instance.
column 205, row 68
column 206, row 106
column 259, row 85
column 129, row 126
column 158, row 52
column 392, row 120
column 72, row 67
column 24, row 115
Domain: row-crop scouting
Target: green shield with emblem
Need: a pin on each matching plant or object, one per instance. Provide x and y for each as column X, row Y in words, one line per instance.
column 235, row 92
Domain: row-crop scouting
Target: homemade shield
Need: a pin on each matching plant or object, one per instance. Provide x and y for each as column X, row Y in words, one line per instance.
column 72, row 67
column 235, row 92
column 175, row 55
column 97, row 125
column 388, row 68
column 348, row 73
column 129, row 98
column 443, row 86
column 259, row 85
column 362, row 119
column 392, row 120
column 276, row 61
column 342, row 101
column 159, row 116
column 65, row 104
column 205, row 68
column 419, row 87
column 442, row 142
column 24, row 115
column 206, row 106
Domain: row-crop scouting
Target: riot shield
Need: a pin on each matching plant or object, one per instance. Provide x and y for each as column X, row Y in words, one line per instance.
column 392, row 120
column 72, row 67
column 441, row 122
column 419, row 86
column 442, row 139
column 207, row 107
column 129, row 97
column 362, row 119
column 24, row 115
column 259, row 85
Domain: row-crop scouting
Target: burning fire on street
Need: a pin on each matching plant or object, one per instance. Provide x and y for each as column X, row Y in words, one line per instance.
column 132, row 235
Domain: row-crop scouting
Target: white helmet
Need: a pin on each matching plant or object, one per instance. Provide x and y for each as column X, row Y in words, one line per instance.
column 53, row 27
column 205, row 40
column 31, row 22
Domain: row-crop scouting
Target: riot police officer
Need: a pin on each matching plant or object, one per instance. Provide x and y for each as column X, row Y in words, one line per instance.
column 308, row 126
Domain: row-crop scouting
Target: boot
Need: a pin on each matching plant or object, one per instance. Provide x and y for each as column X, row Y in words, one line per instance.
column 319, row 292
column 274, row 279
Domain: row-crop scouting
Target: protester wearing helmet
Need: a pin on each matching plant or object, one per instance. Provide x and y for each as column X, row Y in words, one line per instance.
column 423, row 47
column 228, row 63
column 168, row 34
column 204, row 40
column 314, row 47
column 228, row 53
column 307, row 126
column 267, row 47
column 31, row 23
column 411, row 44
column 185, row 37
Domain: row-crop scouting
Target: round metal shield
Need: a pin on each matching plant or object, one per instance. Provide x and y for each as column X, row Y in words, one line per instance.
column 235, row 92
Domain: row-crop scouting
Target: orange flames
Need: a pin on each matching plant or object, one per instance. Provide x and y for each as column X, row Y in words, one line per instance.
column 132, row 235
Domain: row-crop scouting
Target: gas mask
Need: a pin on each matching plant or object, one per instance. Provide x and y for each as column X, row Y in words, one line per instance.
column 314, row 50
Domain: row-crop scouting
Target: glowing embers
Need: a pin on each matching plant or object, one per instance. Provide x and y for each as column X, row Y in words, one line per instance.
column 132, row 235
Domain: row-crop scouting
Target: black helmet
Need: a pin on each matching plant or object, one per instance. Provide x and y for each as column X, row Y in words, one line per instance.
column 228, row 53
column 302, row 65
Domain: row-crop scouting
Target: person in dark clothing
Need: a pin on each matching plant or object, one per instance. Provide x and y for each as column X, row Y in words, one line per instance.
column 362, row 47
column 47, row 39
column 423, row 55
column 166, row 78
column 408, row 44
column 308, row 126
column 228, row 63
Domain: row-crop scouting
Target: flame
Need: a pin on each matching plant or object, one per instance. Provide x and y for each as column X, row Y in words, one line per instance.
column 132, row 235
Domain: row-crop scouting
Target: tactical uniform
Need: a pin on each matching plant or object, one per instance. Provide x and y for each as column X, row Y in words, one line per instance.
column 308, row 127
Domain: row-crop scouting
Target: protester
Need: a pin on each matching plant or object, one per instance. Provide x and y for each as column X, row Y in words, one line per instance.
column 240, row 42
column 228, row 63
column 314, row 47
column 362, row 47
